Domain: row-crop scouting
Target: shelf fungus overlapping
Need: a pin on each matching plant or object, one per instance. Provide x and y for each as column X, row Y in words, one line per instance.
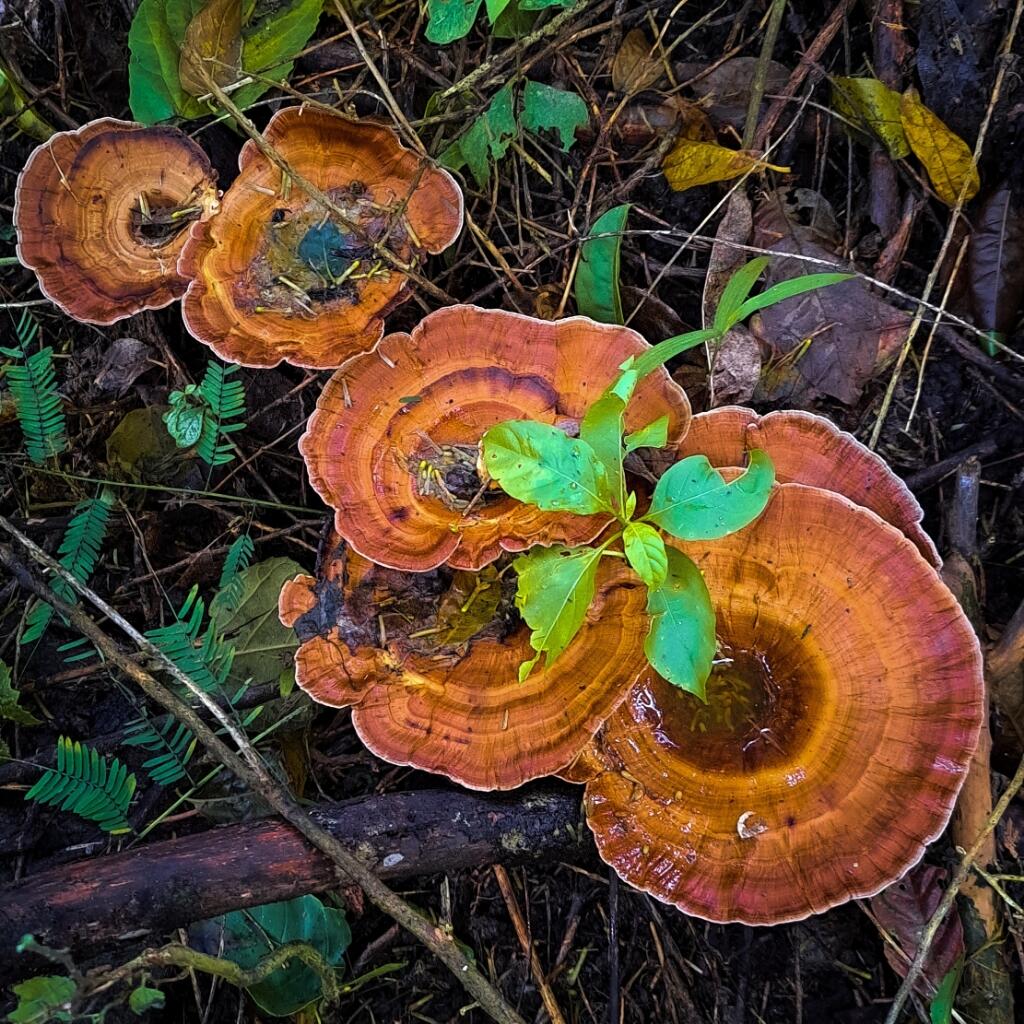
column 103, row 212
column 842, row 715
column 429, row 664
column 279, row 276
column 393, row 444
column 809, row 449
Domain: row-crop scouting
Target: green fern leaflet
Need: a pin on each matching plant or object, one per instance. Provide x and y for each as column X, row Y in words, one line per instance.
column 33, row 383
column 173, row 744
column 78, row 553
column 204, row 657
column 203, row 415
column 96, row 788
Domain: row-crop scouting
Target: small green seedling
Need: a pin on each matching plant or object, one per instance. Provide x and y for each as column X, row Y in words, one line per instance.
column 540, row 465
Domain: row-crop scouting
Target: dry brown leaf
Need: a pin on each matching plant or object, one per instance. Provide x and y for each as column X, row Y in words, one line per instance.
column 735, row 367
column 945, row 156
column 691, row 163
column 726, row 89
column 636, row 67
column 212, row 47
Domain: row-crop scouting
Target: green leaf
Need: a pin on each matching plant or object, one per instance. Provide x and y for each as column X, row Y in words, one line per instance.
column 871, row 104
column 602, row 430
column 9, row 698
column 536, row 463
column 941, row 1009
column 681, row 642
column 486, row 140
column 787, row 290
column 597, row 276
column 452, row 19
column 495, row 8
column 144, row 998
column 249, row 935
column 270, row 45
column 42, row 999
column 244, row 615
column 645, row 552
column 547, row 107
column 556, row 586
column 184, row 419
column 692, row 501
column 736, row 291
column 654, row 435
column 670, row 348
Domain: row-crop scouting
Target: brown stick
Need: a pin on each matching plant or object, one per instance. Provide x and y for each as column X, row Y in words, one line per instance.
column 161, row 886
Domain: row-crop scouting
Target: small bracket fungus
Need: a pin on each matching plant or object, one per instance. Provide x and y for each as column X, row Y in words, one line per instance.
column 429, row 663
column 812, row 450
column 103, row 212
column 841, row 718
column 279, row 277
column 393, row 444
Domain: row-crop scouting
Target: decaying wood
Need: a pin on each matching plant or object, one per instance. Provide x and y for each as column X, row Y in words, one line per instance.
column 156, row 888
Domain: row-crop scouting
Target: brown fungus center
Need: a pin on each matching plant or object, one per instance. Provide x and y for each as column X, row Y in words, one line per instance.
column 156, row 220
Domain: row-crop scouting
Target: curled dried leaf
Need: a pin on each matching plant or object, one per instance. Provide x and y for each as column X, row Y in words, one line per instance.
column 636, row 66
column 691, row 163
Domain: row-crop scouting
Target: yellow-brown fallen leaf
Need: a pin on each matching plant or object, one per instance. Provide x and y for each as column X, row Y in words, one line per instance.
column 946, row 157
column 871, row 104
column 691, row 163
column 636, row 67
column 212, row 47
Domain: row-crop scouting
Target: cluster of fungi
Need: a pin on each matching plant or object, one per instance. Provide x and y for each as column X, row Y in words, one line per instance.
column 846, row 697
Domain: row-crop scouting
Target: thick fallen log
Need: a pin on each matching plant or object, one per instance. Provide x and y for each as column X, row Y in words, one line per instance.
column 161, row 886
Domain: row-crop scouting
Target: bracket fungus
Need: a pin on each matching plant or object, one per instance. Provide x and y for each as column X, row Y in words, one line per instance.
column 393, row 443
column 103, row 212
column 842, row 716
column 279, row 277
column 429, row 664
column 812, row 450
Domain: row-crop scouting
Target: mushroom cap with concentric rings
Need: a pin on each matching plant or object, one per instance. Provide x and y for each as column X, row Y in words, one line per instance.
column 812, row 450
column 841, row 721
column 428, row 697
column 102, row 214
column 392, row 445
column 281, row 277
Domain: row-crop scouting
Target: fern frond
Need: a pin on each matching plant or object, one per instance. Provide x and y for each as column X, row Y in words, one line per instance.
column 226, row 406
column 96, row 788
column 78, row 553
column 204, row 657
column 33, row 384
column 174, row 744
column 237, row 561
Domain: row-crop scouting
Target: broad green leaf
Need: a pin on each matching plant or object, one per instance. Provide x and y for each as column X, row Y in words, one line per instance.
column 42, row 999
column 736, row 291
column 246, row 936
column 487, row 139
column 495, row 8
column 602, row 430
column 787, row 290
column 547, row 107
column 270, row 44
column 681, row 642
column 654, row 435
column 185, row 417
column 10, row 708
column 941, row 1009
column 946, row 157
column 645, row 552
column 538, row 464
column 692, row 501
column 690, row 163
column 451, row 19
column 145, row 998
column 871, row 104
column 542, row 5
column 597, row 276
column 556, row 586
column 244, row 615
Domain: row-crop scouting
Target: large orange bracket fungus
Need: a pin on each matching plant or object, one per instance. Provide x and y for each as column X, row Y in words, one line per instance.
column 842, row 714
column 392, row 446
column 809, row 449
column 429, row 664
column 279, row 277
column 103, row 212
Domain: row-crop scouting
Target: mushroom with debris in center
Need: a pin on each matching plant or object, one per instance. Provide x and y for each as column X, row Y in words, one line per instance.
column 284, row 277
column 392, row 445
column 102, row 214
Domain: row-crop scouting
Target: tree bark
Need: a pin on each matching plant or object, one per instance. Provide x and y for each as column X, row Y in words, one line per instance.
column 166, row 885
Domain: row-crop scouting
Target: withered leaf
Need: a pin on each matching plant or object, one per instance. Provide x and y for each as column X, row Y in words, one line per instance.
column 212, row 47
column 726, row 89
column 872, row 105
column 904, row 909
column 468, row 606
column 690, row 163
column 995, row 261
column 945, row 156
column 635, row 67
